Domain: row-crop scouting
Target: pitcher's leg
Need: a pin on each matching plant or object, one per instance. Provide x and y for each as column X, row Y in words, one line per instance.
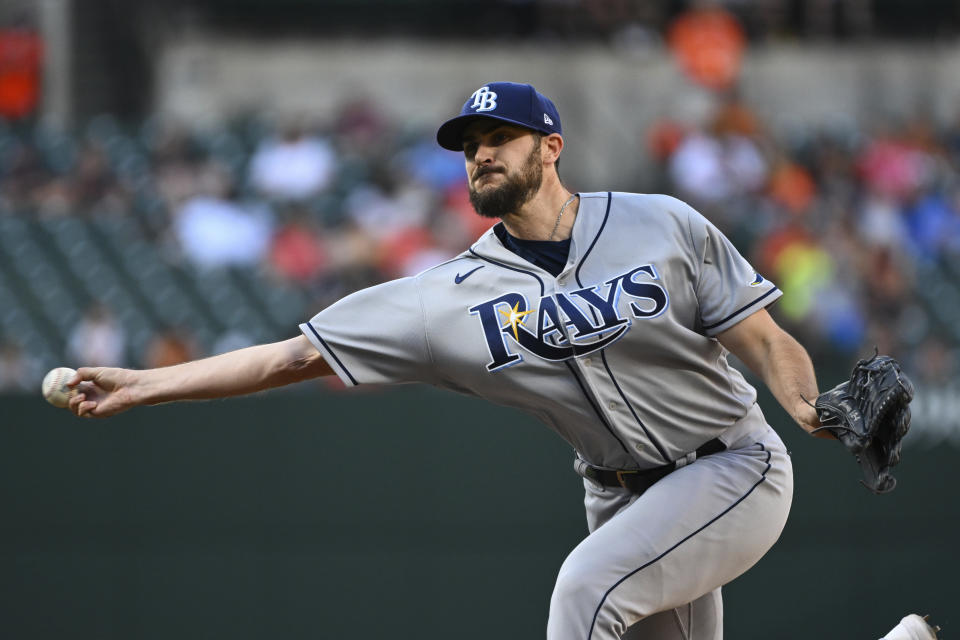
column 692, row 532
column 701, row 619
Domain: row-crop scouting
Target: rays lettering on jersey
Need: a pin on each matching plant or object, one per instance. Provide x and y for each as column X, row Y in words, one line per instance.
column 568, row 324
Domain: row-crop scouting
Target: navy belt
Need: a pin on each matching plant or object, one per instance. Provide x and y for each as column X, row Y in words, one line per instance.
column 639, row 480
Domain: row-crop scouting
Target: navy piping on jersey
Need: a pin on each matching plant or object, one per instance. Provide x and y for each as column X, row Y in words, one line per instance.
column 603, row 352
column 331, row 352
column 593, row 404
column 500, row 264
column 763, row 477
column 606, row 214
column 656, row 444
column 740, row 310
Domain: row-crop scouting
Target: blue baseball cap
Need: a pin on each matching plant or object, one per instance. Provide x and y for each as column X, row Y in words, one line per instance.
column 518, row 104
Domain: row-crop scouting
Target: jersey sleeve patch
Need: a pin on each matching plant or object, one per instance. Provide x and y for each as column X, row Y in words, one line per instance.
column 727, row 286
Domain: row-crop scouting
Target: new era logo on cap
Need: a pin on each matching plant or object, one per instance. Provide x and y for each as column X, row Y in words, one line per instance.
column 518, row 104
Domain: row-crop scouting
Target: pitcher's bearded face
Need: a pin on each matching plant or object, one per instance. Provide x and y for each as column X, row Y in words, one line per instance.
column 502, row 178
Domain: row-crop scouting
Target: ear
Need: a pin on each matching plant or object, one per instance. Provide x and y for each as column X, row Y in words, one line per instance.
column 551, row 146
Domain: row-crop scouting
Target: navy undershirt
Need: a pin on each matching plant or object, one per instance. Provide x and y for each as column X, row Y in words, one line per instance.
column 549, row 255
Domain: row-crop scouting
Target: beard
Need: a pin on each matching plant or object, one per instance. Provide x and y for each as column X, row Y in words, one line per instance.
column 517, row 189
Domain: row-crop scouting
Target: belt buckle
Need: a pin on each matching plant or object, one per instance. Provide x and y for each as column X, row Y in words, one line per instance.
column 622, row 480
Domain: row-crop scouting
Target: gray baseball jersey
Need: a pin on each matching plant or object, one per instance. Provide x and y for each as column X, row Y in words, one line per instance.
column 617, row 353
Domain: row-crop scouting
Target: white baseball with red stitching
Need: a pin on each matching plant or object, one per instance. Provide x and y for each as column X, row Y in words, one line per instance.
column 55, row 389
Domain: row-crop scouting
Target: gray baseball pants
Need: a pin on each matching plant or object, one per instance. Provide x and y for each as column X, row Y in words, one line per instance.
column 652, row 566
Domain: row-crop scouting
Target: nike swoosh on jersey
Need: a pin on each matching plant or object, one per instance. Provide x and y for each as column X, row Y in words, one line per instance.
column 460, row 278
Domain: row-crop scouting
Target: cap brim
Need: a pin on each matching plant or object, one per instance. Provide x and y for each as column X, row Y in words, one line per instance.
column 450, row 133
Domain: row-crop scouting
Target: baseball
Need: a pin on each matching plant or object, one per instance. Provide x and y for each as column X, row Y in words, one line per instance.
column 55, row 388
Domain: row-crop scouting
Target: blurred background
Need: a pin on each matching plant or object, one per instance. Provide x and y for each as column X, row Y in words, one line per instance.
column 187, row 177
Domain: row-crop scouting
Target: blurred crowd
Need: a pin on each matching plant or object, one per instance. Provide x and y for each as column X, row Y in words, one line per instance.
column 847, row 221
column 331, row 206
column 856, row 224
column 327, row 208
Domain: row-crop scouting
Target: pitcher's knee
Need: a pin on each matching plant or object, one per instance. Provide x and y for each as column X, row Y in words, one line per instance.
column 581, row 598
column 576, row 587
column 576, row 613
column 602, row 602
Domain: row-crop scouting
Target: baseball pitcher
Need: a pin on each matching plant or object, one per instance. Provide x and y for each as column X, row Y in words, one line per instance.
column 608, row 316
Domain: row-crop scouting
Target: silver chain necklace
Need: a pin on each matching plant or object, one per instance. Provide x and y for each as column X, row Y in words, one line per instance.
column 560, row 215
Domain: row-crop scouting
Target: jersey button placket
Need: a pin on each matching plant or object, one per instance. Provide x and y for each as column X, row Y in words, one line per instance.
column 592, row 376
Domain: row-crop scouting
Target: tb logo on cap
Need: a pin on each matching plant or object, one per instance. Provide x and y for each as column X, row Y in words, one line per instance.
column 484, row 99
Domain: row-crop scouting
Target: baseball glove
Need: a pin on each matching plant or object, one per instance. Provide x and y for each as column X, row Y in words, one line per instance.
column 870, row 415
